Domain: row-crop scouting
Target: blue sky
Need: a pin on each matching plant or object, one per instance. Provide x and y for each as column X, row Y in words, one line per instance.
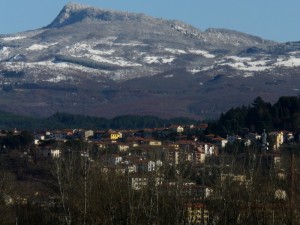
column 277, row 20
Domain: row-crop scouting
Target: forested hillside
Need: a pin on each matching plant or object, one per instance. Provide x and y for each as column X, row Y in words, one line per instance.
column 65, row 120
column 260, row 115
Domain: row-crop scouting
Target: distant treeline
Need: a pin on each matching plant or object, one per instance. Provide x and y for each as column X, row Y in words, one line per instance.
column 65, row 120
column 260, row 115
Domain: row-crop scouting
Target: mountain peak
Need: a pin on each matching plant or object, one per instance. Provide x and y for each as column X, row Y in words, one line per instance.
column 68, row 14
column 74, row 12
column 73, row 6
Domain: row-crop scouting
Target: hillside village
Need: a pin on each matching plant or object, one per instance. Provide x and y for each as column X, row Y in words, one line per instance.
column 126, row 119
column 164, row 158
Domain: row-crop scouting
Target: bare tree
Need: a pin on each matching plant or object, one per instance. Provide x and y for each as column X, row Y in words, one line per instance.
column 7, row 188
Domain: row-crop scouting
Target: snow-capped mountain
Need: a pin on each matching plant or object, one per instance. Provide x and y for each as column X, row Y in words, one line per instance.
column 106, row 63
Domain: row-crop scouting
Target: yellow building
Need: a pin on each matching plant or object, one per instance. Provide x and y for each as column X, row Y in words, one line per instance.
column 115, row 135
column 278, row 139
column 196, row 212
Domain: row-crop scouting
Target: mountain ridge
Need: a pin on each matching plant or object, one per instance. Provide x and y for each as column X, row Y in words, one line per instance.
column 108, row 63
column 74, row 12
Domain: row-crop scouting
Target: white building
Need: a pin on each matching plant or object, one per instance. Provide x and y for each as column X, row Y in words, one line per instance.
column 111, row 160
column 49, row 153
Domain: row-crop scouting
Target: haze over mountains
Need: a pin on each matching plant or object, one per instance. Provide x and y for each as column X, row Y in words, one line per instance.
column 107, row 63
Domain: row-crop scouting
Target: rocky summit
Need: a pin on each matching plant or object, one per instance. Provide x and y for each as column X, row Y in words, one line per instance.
column 106, row 63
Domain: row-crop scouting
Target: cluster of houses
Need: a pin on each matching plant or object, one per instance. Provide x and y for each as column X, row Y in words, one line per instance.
column 136, row 146
column 119, row 145
column 146, row 150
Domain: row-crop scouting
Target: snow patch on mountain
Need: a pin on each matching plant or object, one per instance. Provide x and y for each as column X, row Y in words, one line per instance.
column 158, row 59
column 118, row 61
column 258, row 64
column 151, row 59
column 290, row 62
column 101, row 52
column 245, row 63
column 13, row 38
column 70, row 66
column 175, row 51
column 57, row 79
column 201, row 69
column 109, row 41
column 247, row 67
column 76, row 48
column 294, row 53
column 4, row 53
column 87, row 50
column 37, row 47
column 194, row 71
column 167, row 59
column 132, row 44
column 202, row 52
column 82, row 48
column 248, row 74
column 180, row 28
column 238, row 59
column 48, row 65
column 186, row 30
